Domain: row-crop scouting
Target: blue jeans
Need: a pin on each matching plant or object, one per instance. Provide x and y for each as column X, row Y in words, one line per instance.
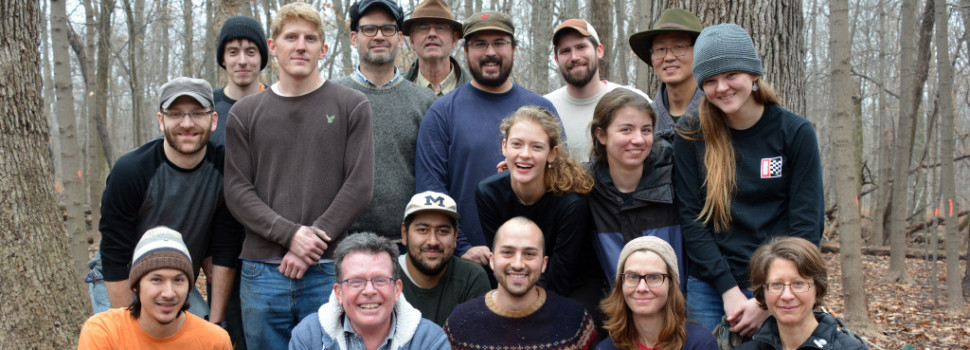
column 272, row 304
column 98, row 292
column 704, row 303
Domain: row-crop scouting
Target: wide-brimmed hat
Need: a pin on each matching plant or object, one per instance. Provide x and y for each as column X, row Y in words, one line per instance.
column 432, row 10
column 488, row 20
column 671, row 21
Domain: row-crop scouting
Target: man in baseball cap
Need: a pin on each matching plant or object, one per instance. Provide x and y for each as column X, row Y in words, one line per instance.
column 161, row 277
column 465, row 123
column 433, row 33
column 174, row 181
column 434, row 282
column 669, row 48
column 577, row 50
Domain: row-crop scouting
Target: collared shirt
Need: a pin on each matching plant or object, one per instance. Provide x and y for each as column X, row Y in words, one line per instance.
column 450, row 83
column 355, row 342
column 360, row 76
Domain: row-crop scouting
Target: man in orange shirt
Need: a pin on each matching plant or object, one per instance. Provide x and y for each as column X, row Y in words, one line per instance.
column 161, row 275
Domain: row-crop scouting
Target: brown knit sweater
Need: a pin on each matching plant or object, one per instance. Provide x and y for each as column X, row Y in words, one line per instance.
column 292, row 161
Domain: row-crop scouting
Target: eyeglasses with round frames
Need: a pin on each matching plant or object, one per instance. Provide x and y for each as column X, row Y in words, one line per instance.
column 482, row 44
column 371, row 30
column 661, row 52
column 425, row 28
column 378, row 282
column 632, row 279
column 178, row 115
column 796, row 287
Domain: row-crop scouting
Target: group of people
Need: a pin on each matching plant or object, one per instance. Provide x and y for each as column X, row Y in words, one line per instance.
column 612, row 219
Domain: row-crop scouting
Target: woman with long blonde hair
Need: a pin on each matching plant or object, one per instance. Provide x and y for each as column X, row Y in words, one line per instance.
column 746, row 170
column 544, row 184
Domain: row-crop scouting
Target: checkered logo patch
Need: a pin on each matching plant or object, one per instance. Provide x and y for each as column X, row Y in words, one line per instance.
column 771, row 167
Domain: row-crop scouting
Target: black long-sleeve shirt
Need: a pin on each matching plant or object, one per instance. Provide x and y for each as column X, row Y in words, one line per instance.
column 779, row 193
column 145, row 190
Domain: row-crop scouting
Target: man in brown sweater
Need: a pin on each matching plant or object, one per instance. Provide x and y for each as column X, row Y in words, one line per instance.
column 299, row 171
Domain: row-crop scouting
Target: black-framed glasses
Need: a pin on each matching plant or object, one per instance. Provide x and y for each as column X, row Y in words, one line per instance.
column 661, row 52
column 178, row 115
column 632, row 279
column 425, row 28
column 796, row 287
column 371, row 30
column 378, row 282
column 482, row 44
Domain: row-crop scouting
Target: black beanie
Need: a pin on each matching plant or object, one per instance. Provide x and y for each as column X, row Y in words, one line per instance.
column 242, row 27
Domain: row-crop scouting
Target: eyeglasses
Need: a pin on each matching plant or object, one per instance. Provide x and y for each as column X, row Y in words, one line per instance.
column 378, row 282
column 631, row 279
column 796, row 287
column 177, row 115
column 371, row 30
column 425, row 28
column 661, row 52
column 482, row 44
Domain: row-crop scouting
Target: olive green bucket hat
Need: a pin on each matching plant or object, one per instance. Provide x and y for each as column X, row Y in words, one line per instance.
column 671, row 21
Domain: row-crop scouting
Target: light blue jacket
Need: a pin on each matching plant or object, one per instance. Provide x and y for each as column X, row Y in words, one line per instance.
column 324, row 329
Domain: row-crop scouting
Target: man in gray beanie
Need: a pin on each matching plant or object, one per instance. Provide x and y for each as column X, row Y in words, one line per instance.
column 241, row 49
column 161, row 276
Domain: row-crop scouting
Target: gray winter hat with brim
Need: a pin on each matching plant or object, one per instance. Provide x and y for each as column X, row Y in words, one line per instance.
column 724, row 48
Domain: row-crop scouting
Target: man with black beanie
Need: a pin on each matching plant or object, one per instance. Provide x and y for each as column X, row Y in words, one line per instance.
column 242, row 46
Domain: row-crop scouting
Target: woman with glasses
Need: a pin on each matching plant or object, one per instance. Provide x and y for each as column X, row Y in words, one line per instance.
column 547, row 186
column 789, row 279
column 746, row 170
column 646, row 308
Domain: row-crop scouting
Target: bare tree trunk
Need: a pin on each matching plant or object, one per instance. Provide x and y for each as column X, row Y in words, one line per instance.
column 950, row 204
column 542, row 27
column 570, row 9
column 643, row 73
column 31, row 232
column 343, row 36
column 100, row 148
column 189, row 52
column 881, row 223
column 847, row 169
column 911, row 89
column 209, row 71
column 70, row 159
column 134, row 83
column 48, row 92
column 601, row 17
column 622, row 44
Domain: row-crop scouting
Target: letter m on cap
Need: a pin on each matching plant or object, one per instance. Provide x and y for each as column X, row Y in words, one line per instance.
column 429, row 200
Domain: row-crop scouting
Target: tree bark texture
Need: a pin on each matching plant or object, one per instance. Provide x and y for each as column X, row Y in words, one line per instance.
column 189, row 52
column 541, row 31
column 134, row 82
column 73, row 179
column 43, row 307
column 847, row 168
column 911, row 89
column 881, row 226
column 601, row 18
column 950, row 203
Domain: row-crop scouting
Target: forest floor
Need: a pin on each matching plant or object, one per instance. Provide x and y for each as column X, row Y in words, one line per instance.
column 905, row 315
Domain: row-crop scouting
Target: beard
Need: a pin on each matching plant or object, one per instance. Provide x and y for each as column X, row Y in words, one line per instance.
column 581, row 80
column 426, row 268
column 498, row 80
column 378, row 59
column 171, row 136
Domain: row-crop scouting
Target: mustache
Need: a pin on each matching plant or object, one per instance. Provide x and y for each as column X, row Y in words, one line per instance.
column 490, row 59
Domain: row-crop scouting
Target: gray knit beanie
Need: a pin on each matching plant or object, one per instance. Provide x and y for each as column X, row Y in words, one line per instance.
column 653, row 244
column 160, row 248
column 242, row 27
column 723, row 48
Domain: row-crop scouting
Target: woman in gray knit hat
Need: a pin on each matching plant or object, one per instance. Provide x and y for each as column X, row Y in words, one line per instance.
column 646, row 308
column 746, row 170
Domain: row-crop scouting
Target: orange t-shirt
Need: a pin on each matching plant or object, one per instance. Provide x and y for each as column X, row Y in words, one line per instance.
column 116, row 329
